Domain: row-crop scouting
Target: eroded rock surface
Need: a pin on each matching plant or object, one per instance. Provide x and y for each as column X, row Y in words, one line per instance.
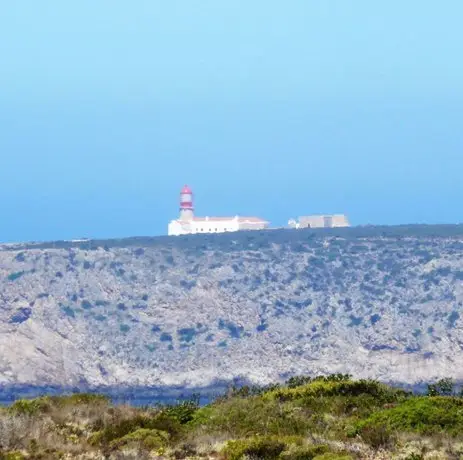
column 370, row 302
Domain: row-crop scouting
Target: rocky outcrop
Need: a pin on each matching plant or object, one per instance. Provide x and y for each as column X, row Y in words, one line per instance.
column 373, row 302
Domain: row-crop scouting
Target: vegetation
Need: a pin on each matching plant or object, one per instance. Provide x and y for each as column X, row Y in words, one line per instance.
column 323, row 418
column 261, row 238
column 14, row 276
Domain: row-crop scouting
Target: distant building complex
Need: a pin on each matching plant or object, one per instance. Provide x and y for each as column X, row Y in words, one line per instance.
column 188, row 223
column 322, row 221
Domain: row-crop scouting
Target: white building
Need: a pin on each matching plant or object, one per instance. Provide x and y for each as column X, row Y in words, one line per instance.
column 187, row 223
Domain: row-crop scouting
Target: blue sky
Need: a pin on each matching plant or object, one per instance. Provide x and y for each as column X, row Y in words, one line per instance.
column 264, row 107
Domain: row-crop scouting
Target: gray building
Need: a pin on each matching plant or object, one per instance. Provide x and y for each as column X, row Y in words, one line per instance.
column 320, row 221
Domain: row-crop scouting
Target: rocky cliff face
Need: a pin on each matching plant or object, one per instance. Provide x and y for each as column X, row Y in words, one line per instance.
column 375, row 302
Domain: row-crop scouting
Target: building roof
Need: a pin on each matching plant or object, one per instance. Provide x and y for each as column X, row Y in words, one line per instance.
column 251, row 219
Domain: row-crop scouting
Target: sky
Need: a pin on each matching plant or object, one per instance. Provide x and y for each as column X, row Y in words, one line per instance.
column 264, row 107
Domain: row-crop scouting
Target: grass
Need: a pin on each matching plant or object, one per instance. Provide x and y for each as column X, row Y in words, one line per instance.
column 330, row 418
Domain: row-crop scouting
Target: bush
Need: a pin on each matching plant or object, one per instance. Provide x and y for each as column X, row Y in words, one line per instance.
column 304, row 452
column 326, row 387
column 443, row 387
column 377, row 435
column 161, row 422
column 45, row 404
column 145, row 438
column 12, row 456
column 184, row 411
column 79, row 399
column 258, row 447
column 186, row 334
column 21, row 315
column 68, row 311
column 425, row 415
column 86, row 305
column 298, row 381
column 331, row 456
column 20, row 257
column 243, row 417
column 30, row 406
column 100, row 317
column 15, row 276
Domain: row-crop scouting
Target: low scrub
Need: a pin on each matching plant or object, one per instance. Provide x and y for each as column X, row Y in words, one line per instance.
column 143, row 438
column 329, row 388
column 273, row 447
column 255, row 415
column 322, row 418
column 116, row 431
column 265, row 448
column 424, row 415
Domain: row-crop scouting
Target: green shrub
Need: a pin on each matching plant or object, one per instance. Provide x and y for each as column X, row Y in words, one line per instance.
column 184, row 412
column 68, row 311
column 161, row 422
column 328, row 388
column 298, row 381
column 187, row 334
column 425, row 415
column 30, row 406
column 304, row 452
column 250, row 390
column 258, row 447
column 46, row 403
column 100, row 317
column 443, row 387
column 242, row 417
column 15, row 276
column 332, row 456
column 86, row 305
column 144, row 437
column 78, row 399
column 377, row 435
column 15, row 455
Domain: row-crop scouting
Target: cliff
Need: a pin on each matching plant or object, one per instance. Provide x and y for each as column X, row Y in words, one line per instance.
column 373, row 302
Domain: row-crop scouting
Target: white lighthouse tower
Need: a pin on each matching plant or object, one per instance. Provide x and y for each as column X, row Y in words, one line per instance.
column 186, row 204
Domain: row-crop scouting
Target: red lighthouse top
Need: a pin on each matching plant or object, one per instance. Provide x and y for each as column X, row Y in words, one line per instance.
column 186, row 190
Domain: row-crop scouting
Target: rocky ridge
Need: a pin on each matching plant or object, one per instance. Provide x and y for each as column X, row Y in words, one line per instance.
column 382, row 302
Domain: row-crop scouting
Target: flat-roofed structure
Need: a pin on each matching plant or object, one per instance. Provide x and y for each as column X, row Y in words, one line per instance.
column 320, row 221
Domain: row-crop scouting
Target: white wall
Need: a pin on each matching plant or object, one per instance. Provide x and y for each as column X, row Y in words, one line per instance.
column 253, row 225
column 177, row 227
column 214, row 226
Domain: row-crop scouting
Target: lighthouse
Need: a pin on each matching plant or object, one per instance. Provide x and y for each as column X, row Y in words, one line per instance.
column 187, row 223
column 186, row 204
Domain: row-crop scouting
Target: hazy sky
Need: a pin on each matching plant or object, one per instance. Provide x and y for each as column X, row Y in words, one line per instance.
column 265, row 107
